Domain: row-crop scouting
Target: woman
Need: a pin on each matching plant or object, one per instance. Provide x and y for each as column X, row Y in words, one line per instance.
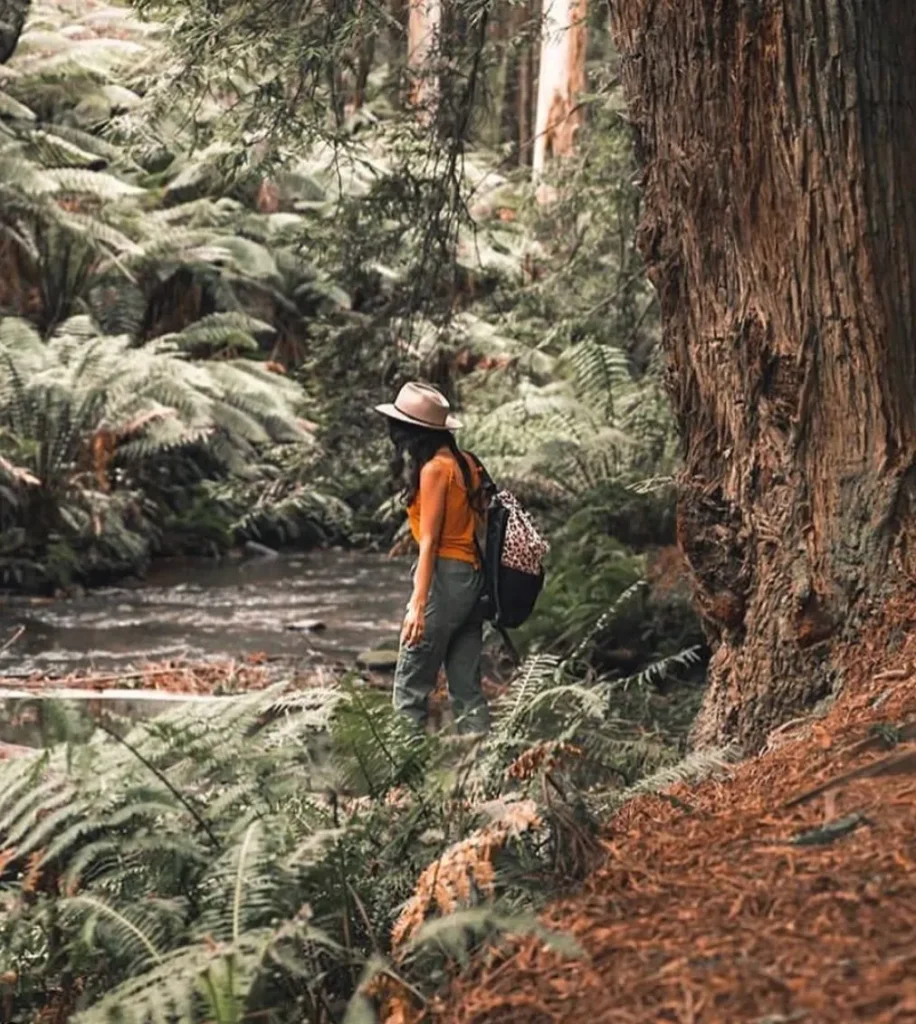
column 443, row 623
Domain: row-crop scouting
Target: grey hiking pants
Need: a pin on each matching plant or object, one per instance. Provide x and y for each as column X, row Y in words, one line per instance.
column 453, row 635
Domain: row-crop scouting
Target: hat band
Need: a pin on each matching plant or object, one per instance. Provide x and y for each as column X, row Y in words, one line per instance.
column 413, row 416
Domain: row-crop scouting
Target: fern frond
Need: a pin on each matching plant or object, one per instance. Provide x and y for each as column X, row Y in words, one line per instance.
column 694, row 768
column 56, row 151
column 659, row 670
column 75, row 181
column 125, row 929
column 222, row 330
column 11, row 107
column 598, row 371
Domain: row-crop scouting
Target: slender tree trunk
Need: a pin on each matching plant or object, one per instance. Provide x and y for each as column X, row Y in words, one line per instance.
column 561, row 80
column 496, row 74
column 523, row 24
column 779, row 225
column 364, row 54
column 424, row 25
column 525, row 105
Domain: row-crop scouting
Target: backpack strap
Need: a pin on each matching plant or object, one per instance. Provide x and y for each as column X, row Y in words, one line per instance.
column 486, row 485
column 486, row 481
column 489, row 487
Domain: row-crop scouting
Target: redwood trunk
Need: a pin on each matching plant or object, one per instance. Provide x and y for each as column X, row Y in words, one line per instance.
column 778, row 139
column 424, row 25
column 561, row 80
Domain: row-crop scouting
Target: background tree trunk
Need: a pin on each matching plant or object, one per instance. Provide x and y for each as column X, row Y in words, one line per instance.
column 495, row 76
column 524, row 104
column 779, row 224
column 523, row 33
column 13, row 14
column 424, row 25
column 364, row 55
column 561, row 80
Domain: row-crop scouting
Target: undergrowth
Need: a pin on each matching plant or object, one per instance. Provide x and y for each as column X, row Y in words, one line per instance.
column 290, row 854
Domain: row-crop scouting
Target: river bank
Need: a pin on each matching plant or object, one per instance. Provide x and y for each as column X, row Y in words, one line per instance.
column 304, row 609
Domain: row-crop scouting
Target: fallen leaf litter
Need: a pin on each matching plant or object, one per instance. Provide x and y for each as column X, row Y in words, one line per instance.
column 764, row 902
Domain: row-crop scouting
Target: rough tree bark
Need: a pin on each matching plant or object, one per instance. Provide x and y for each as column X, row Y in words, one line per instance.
column 778, row 139
column 424, row 24
column 522, row 31
column 13, row 14
column 561, row 80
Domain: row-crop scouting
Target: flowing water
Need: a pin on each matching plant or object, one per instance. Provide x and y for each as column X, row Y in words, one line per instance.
column 324, row 605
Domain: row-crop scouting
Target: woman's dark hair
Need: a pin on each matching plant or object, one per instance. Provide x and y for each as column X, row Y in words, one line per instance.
column 414, row 446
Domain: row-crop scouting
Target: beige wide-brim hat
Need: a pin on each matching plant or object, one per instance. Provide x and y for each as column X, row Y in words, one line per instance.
column 422, row 405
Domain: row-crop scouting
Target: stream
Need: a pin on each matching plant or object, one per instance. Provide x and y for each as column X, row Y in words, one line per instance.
column 318, row 606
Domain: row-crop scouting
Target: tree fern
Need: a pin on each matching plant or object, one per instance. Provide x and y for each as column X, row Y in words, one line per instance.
column 103, row 384
column 579, row 434
column 82, row 407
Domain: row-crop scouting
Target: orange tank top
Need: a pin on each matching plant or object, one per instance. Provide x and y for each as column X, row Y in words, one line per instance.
column 457, row 537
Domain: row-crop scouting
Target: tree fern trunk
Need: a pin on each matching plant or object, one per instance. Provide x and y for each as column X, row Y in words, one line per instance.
column 13, row 14
column 779, row 225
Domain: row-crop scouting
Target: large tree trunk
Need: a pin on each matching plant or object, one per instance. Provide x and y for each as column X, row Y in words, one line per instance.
column 561, row 80
column 779, row 225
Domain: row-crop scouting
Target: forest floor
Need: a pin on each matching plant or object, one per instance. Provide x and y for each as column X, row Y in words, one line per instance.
column 189, row 677
column 176, row 675
column 221, row 677
column 784, row 893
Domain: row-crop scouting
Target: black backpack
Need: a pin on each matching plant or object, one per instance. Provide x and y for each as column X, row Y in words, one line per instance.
column 512, row 551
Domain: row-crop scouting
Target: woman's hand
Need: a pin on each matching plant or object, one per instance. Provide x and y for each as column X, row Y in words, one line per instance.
column 414, row 625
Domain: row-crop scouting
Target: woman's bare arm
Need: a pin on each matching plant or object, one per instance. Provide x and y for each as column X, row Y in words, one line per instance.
column 434, row 479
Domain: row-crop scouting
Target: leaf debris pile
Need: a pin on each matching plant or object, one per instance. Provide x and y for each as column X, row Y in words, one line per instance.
column 178, row 675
